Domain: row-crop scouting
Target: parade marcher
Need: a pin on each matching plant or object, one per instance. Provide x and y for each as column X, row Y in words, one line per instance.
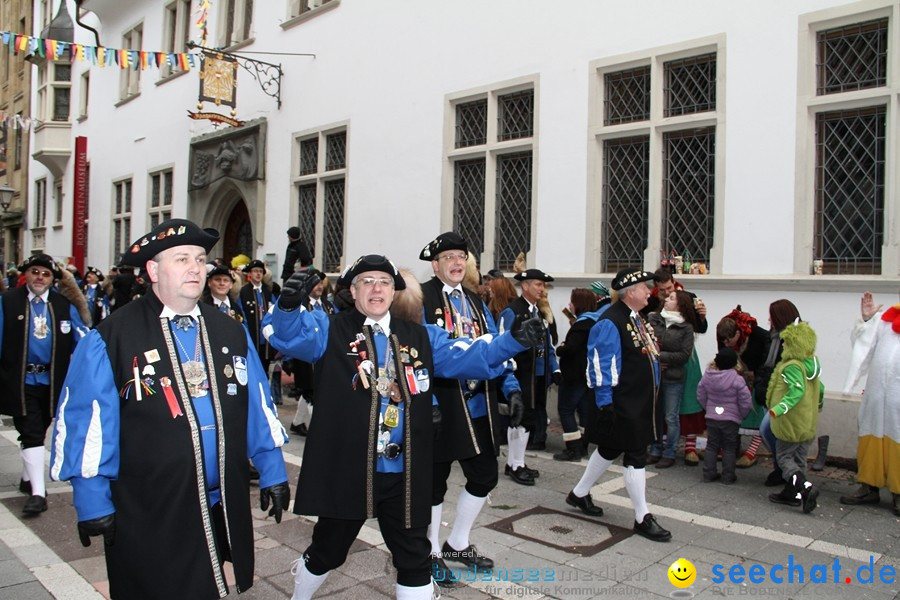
column 256, row 297
column 40, row 327
column 124, row 285
column 96, row 295
column 536, row 369
column 876, row 344
column 623, row 370
column 574, row 395
column 375, row 417
column 304, row 379
column 297, row 251
column 470, row 419
column 220, row 293
column 156, row 426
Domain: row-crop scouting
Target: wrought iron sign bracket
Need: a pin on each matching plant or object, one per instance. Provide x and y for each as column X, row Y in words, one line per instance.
column 268, row 75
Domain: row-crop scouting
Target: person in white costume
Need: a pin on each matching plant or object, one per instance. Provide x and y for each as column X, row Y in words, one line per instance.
column 876, row 349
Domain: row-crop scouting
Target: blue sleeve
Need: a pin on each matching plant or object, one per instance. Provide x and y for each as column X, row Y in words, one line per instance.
column 265, row 434
column 482, row 358
column 301, row 333
column 78, row 326
column 506, row 320
column 603, row 361
column 508, row 381
column 85, row 447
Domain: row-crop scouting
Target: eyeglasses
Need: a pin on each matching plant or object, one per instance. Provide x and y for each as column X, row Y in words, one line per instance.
column 453, row 256
column 39, row 273
column 371, row 281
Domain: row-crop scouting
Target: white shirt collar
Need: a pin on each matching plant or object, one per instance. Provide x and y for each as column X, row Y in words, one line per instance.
column 448, row 289
column 256, row 288
column 44, row 296
column 218, row 302
column 168, row 313
column 385, row 323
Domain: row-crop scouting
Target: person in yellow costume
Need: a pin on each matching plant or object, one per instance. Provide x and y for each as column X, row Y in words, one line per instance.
column 876, row 344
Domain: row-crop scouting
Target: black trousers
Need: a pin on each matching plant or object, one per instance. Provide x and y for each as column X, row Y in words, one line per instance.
column 534, row 420
column 33, row 426
column 410, row 548
column 480, row 470
column 632, row 458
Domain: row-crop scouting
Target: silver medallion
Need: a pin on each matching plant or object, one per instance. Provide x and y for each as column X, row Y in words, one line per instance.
column 383, row 385
column 195, row 377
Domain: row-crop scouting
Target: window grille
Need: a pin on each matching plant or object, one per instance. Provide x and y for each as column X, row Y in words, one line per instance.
column 468, row 202
column 336, row 151
column 471, row 123
column 333, row 234
column 850, row 177
column 513, row 222
column 626, row 193
column 515, row 115
column 689, row 192
column 852, row 57
column 309, row 156
column 626, row 96
column 690, row 85
column 307, row 213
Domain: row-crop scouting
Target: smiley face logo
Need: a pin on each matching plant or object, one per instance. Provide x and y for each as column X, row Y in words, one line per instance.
column 682, row 573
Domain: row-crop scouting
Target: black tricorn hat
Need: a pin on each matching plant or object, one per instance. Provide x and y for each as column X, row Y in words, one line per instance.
column 254, row 264
column 169, row 234
column 627, row 277
column 219, row 270
column 449, row 240
column 372, row 262
column 533, row 274
column 42, row 260
column 95, row 271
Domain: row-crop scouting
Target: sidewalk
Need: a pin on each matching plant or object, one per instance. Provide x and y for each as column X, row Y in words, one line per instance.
column 548, row 549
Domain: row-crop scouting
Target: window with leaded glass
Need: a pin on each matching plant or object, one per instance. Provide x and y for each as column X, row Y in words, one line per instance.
column 850, row 179
column 852, row 57
column 307, row 213
column 40, row 203
column 121, row 218
column 309, row 156
column 513, row 211
column 626, row 193
column 515, row 115
column 333, row 232
column 626, row 96
column 690, row 85
column 471, row 123
column 160, row 197
column 689, row 179
column 336, row 151
column 468, row 202
column 130, row 78
column 237, row 21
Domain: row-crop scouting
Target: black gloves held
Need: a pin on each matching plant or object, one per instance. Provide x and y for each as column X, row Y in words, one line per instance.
column 105, row 526
column 529, row 332
column 516, row 409
column 280, row 496
column 296, row 289
column 556, row 377
column 436, row 420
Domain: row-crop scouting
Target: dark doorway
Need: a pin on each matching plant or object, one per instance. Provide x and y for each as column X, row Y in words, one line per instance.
column 238, row 238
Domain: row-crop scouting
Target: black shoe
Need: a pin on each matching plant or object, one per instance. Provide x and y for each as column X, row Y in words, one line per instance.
column 520, row 475
column 536, row 446
column 441, row 573
column 895, row 504
column 775, row 478
column 533, row 472
column 808, row 497
column 729, row 480
column 468, row 557
column 651, row 530
column 568, row 455
column 25, row 487
column 864, row 494
column 300, row 429
column 35, row 505
column 585, row 503
column 785, row 496
column 665, row 463
column 711, row 478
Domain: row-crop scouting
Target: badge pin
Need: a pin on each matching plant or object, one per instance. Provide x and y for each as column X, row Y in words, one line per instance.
column 148, row 370
column 229, row 371
column 232, row 389
column 414, row 353
column 152, row 356
column 224, row 349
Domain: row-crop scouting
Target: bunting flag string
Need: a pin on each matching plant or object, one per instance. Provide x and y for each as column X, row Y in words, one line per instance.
column 124, row 58
column 14, row 121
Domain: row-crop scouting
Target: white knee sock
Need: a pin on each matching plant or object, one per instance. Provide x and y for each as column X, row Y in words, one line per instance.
column 597, row 466
column 636, row 486
column 304, row 412
column 422, row 592
column 517, row 441
column 34, row 464
column 305, row 583
column 467, row 510
column 434, row 529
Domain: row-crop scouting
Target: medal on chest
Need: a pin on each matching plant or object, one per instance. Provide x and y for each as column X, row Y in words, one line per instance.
column 40, row 327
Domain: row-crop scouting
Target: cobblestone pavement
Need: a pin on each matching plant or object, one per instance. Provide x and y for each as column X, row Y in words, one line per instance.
column 542, row 547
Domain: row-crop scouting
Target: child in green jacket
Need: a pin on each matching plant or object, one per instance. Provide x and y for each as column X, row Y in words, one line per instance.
column 794, row 398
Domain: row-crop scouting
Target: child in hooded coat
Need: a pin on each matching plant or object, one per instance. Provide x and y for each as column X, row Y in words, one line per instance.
column 724, row 395
column 795, row 398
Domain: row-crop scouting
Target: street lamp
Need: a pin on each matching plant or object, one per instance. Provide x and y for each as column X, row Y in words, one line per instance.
column 6, row 195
